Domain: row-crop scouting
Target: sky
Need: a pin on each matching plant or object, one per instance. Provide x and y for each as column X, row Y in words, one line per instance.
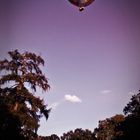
column 91, row 57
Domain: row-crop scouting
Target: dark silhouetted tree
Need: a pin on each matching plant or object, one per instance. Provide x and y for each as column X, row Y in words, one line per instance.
column 108, row 129
column 78, row 134
column 9, row 123
column 52, row 137
column 122, row 127
column 133, row 107
column 131, row 125
column 21, row 76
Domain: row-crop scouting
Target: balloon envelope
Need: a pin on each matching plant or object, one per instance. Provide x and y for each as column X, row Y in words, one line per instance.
column 81, row 3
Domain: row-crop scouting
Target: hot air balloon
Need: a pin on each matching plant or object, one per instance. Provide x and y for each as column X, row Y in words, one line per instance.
column 81, row 3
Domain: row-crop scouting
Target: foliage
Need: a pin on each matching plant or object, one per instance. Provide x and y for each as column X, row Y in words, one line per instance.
column 52, row 137
column 120, row 127
column 130, row 128
column 78, row 134
column 133, row 107
column 107, row 129
column 131, row 125
column 9, row 124
column 20, row 73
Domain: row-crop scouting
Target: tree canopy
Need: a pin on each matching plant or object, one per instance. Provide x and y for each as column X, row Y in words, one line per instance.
column 122, row 127
column 133, row 107
column 21, row 75
column 78, row 134
column 108, row 128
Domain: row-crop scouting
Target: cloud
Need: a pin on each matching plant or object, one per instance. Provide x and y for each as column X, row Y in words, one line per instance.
column 67, row 97
column 72, row 98
column 106, row 91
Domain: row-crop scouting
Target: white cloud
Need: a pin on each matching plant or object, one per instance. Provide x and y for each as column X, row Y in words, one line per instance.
column 106, row 91
column 72, row 98
column 67, row 97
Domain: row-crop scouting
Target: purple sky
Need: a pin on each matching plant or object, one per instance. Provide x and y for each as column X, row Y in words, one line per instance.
column 92, row 57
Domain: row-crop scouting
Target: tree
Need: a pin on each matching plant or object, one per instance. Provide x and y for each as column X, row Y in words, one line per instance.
column 131, row 125
column 18, row 85
column 108, row 129
column 9, row 124
column 52, row 137
column 133, row 107
column 78, row 134
column 130, row 128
